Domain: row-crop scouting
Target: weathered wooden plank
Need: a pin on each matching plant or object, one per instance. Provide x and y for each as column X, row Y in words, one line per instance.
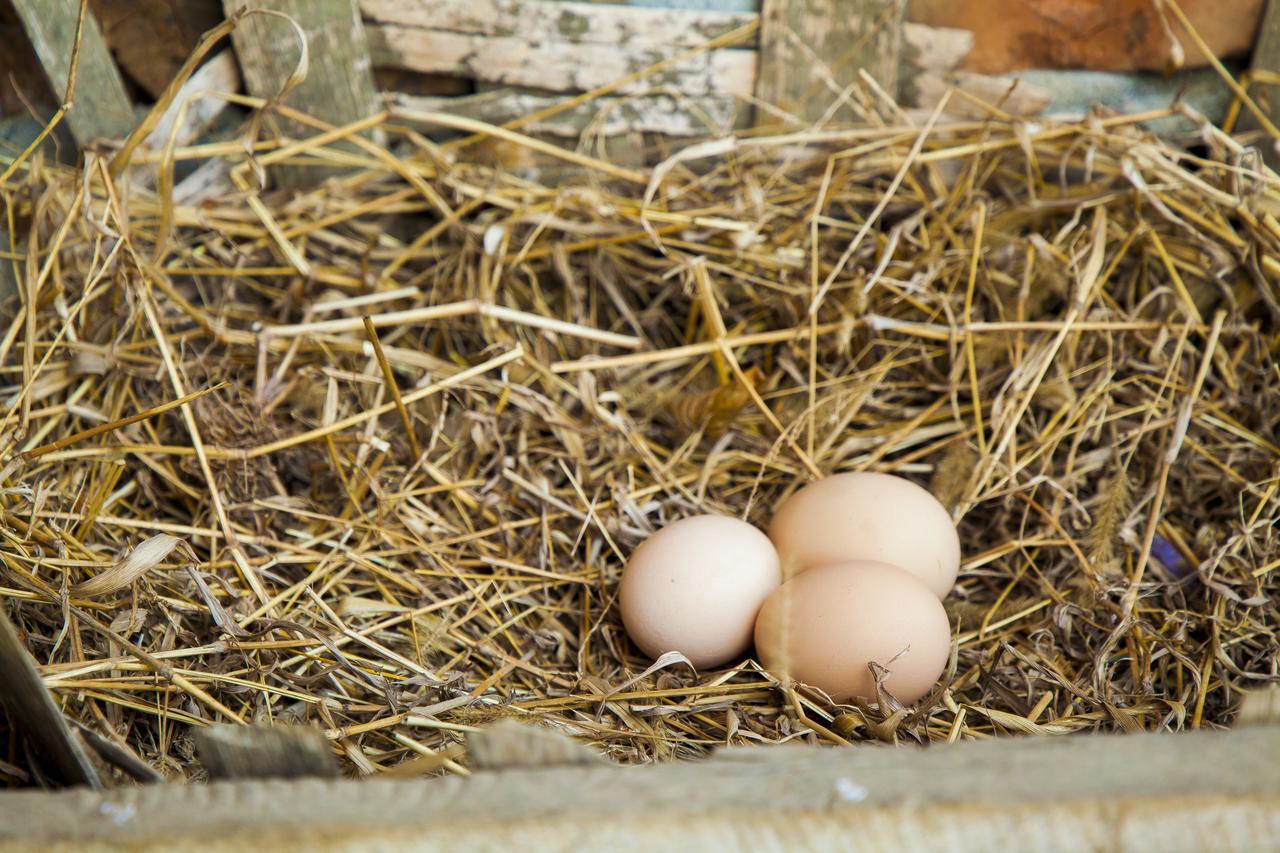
column 232, row 751
column 811, row 50
column 1192, row 791
column 101, row 107
column 562, row 21
column 689, row 116
column 1266, row 58
column 59, row 754
column 517, row 61
column 339, row 85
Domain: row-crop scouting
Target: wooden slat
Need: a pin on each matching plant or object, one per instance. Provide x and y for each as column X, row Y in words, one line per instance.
column 687, row 116
column 102, row 109
column 518, row 61
column 559, row 21
column 811, row 50
column 1266, row 58
column 32, row 712
column 339, row 85
column 1194, row 791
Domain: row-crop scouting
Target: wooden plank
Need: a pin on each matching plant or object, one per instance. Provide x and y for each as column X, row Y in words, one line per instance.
column 1192, row 791
column 218, row 74
column 709, row 115
column 519, row 61
column 561, row 21
column 1266, row 59
column 338, row 87
column 811, row 50
column 59, row 753
column 101, row 107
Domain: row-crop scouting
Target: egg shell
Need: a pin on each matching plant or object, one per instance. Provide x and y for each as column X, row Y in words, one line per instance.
column 696, row 586
column 824, row 627
column 868, row 516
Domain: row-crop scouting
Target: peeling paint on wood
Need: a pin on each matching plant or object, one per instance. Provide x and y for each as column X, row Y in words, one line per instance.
column 559, row 20
column 666, row 114
column 518, row 61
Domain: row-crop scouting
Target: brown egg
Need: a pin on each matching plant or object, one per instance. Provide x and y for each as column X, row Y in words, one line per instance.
column 868, row 516
column 825, row 627
column 696, row 586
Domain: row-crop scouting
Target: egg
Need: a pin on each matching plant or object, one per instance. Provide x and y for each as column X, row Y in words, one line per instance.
column 827, row 626
column 868, row 516
column 696, row 586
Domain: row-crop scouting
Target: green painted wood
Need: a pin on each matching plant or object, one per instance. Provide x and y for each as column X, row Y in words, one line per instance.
column 100, row 105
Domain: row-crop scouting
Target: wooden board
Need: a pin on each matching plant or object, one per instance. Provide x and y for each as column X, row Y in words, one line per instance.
column 684, row 116
column 561, row 21
column 1266, row 58
column 521, row 61
column 1194, row 791
column 812, row 50
column 338, row 87
column 101, row 107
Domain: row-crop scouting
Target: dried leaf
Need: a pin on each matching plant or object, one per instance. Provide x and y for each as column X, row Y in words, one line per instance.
column 136, row 563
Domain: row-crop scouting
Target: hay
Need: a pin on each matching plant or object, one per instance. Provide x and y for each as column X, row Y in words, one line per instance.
column 1068, row 331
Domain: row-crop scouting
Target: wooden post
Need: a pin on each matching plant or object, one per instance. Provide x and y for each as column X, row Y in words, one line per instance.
column 102, row 109
column 339, row 86
column 812, row 50
column 1266, row 57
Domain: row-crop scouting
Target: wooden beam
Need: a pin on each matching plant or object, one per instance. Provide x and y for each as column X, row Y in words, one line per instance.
column 101, row 107
column 1266, row 59
column 812, row 50
column 562, row 21
column 1198, row 790
column 339, row 86
column 522, row 61
column 683, row 116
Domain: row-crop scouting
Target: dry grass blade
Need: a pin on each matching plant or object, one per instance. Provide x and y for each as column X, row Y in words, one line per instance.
column 148, row 555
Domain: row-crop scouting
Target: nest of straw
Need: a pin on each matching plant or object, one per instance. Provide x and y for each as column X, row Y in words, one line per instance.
column 430, row 406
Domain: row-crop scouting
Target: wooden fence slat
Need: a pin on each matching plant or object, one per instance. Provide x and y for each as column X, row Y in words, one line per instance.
column 685, row 116
column 101, row 107
column 339, row 86
column 811, row 50
column 1205, row 790
column 561, row 21
column 518, row 61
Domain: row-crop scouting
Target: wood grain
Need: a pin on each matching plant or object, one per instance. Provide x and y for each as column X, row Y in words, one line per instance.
column 561, row 21
column 811, row 50
column 339, row 85
column 1192, row 791
column 102, row 109
column 520, row 61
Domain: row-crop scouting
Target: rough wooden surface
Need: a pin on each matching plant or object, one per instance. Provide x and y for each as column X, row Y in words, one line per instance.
column 560, row 21
column 812, row 50
column 101, row 106
column 339, row 85
column 32, row 712
column 264, row 752
column 1266, row 59
column 665, row 114
column 1194, row 791
column 521, row 61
